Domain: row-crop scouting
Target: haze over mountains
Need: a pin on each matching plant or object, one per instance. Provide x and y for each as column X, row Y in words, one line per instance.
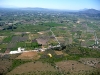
column 85, row 10
column 94, row 11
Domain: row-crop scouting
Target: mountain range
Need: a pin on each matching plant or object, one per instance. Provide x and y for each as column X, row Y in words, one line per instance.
column 90, row 11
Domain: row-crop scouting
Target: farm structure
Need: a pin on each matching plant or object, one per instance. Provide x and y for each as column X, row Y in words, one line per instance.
column 20, row 50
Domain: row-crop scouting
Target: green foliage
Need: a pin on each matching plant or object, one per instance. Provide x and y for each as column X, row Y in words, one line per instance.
column 53, row 59
column 7, row 39
column 93, row 26
column 79, row 33
column 27, row 45
column 73, row 57
column 3, row 46
column 35, row 28
column 17, row 62
column 3, row 50
column 87, row 52
column 74, row 52
column 52, row 24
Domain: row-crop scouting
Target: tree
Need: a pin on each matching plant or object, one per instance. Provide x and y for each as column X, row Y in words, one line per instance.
column 79, row 34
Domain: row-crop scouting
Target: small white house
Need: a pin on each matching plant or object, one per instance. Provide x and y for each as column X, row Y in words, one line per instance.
column 14, row 52
column 20, row 50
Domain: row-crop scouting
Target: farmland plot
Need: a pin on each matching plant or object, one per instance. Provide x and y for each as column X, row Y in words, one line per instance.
column 32, row 67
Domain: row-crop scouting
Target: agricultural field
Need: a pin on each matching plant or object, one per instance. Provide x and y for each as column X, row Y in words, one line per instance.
column 33, row 68
column 5, row 65
column 61, row 62
column 70, row 40
column 29, row 55
column 74, row 67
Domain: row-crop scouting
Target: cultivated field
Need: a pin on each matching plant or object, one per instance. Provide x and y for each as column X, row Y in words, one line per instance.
column 94, row 62
column 59, row 52
column 32, row 68
column 28, row 55
column 4, row 65
column 73, row 67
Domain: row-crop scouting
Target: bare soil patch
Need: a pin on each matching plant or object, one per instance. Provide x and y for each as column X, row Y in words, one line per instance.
column 59, row 52
column 4, row 65
column 13, row 56
column 28, row 55
column 73, row 67
column 40, row 32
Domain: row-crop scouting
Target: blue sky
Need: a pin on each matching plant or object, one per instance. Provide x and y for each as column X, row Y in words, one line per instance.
column 55, row 4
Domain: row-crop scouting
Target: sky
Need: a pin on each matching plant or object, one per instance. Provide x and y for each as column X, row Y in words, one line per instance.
column 52, row 4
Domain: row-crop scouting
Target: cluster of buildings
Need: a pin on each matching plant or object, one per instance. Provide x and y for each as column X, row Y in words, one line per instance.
column 21, row 50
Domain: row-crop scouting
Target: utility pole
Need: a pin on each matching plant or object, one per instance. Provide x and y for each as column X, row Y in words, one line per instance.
column 96, row 39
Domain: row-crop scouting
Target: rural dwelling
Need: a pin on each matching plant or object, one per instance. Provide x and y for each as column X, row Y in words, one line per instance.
column 7, row 51
column 20, row 50
column 34, row 41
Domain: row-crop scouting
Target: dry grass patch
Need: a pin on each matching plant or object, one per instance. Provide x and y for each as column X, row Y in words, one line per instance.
column 4, row 66
column 73, row 66
column 59, row 52
column 29, row 55
column 32, row 67
column 94, row 62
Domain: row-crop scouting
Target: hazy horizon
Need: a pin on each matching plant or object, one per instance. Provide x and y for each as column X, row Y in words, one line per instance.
column 52, row 4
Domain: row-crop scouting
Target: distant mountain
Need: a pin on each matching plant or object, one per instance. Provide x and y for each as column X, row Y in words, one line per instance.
column 48, row 9
column 36, row 9
column 85, row 10
column 28, row 8
column 90, row 11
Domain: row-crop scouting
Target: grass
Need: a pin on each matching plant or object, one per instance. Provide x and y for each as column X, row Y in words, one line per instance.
column 76, row 52
column 7, row 39
column 3, row 50
column 73, row 57
column 27, row 45
column 17, row 62
column 3, row 45
column 36, row 28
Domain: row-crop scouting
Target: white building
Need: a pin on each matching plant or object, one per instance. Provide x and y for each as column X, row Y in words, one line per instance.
column 20, row 50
